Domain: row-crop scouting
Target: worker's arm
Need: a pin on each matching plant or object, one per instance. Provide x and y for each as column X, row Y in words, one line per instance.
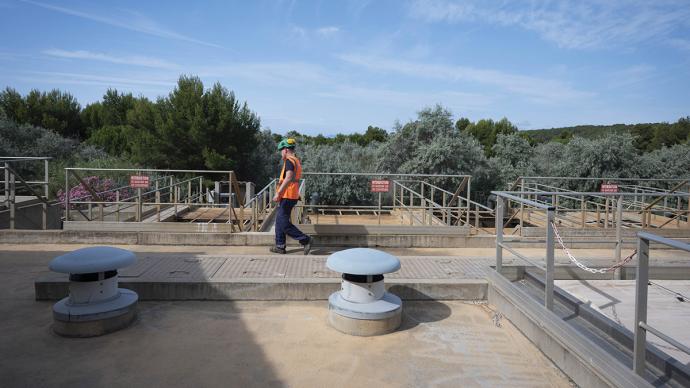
column 289, row 176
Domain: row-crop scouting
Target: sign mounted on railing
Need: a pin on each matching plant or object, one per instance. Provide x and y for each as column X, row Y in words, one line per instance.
column 139, row 182
column 380, row 186
column 609, row 188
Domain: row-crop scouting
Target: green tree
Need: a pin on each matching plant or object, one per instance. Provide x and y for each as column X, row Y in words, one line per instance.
column 13, row 104
column 201, row 129
column 55, row 110
column 342, row 157
column 462, row 123
column 513, row 157
column 487, row 131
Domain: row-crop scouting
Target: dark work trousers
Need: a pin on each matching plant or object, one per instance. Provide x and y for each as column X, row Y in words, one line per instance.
column 284, row 226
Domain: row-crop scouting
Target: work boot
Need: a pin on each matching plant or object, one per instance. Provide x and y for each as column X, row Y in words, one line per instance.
column 307, row 246
column 277, row 250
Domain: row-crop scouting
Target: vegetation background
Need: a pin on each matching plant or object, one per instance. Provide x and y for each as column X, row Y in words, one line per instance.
column 195, row 127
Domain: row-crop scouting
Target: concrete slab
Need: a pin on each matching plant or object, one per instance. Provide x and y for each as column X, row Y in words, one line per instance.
column 616, row 300
column 274, row 344
column 278, row 277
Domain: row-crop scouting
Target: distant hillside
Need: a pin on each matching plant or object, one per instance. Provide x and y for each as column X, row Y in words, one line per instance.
column 587, row 131
column 649, row 136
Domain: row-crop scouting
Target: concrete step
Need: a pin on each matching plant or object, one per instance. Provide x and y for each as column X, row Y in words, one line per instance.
column 292, row 277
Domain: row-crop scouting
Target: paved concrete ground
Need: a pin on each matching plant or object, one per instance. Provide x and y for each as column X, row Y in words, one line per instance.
column 209, row 344
column 616, row 300
column 268, row 343
column 259, row 344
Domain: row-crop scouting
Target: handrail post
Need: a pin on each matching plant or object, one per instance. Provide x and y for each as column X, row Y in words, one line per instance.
column 548, row 300
column 158, row 204
column 642, row 278
column 619, row 239
column 522, row 205
column 67, row 195
column 45, row 193
column 469, row 182
column 7, row 185
column 117, row 206
column 499, row 233
column 139, row 205
column 200, row 198
column 13, row 200
column 582, row 209
column 687, row 214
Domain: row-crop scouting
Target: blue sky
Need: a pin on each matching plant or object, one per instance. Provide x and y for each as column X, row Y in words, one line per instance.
column 339, row 66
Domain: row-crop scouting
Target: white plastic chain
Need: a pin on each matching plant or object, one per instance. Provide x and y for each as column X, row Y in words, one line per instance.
column 584, row 267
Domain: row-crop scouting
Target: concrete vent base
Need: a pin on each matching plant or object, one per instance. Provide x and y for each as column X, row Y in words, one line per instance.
column 365, row 327
column 95, row 319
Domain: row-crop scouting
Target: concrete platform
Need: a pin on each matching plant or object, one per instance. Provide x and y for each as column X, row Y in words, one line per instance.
column 273, row 344
column 616, row 300
column 271, row 277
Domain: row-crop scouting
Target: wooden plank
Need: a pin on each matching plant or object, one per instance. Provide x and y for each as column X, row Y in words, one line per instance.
column 461, row 187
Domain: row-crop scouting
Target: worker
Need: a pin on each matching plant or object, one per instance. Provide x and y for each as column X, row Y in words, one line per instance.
column 287, row 195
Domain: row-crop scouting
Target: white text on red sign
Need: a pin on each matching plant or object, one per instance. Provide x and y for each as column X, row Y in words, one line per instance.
column 380, row 186
column 139, row 182
column 609, row 188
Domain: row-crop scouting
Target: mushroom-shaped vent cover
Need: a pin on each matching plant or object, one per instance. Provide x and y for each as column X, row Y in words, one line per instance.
column 92, row 260
column 363, row 261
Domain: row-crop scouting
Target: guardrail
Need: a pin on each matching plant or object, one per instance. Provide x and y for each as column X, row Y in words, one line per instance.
column 641, row 285
column 646, row 206
column 11, row 175
column 165, row 191
column 550, row 240
column 261, row 204
column 422, row 202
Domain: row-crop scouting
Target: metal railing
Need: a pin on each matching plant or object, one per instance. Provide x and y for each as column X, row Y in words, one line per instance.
column 169, row 191
column 646, row 207
column 550, row 240
column 641, row 285
column 418, row 201
column 261, row 204
column 551, row 213
column 11, row 175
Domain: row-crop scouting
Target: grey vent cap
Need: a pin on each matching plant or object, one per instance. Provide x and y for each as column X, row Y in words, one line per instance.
column 92, row 260
column 363, row 261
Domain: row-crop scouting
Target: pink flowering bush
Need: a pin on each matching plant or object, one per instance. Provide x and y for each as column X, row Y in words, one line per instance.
column 103, row 187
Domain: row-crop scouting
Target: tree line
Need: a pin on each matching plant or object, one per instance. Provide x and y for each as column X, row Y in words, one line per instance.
column 195, row 127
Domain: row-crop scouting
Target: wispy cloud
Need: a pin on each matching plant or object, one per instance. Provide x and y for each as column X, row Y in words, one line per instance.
column 631, row 76
column 271, row 73
column 407, row 99
column 681, row 44
column 570, row 24
column 306, row 34
column 535, row 88
column 327, row 31
column 133, row 21
column 67, row 78
column 133, row 60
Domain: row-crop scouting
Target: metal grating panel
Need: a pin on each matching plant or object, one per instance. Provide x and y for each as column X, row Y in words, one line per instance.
column 142, row 265
column 310, row 267
column 252, row 267
column 185, row 268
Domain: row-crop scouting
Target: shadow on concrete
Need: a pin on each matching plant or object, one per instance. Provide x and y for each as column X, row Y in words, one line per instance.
column 172, row 343
column 419, row 307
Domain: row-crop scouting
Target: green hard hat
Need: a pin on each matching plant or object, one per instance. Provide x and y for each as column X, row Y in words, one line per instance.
column 287, row 143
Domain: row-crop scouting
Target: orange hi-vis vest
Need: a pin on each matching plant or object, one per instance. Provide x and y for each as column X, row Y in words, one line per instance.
column 292, row 190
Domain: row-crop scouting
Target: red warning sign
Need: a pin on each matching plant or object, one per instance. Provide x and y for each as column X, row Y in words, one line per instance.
column 139, row 182
column 380, row 186
column 609, row 188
